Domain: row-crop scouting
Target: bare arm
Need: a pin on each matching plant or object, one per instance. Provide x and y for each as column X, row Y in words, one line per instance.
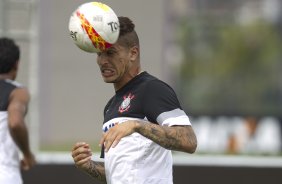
column 81, row 154
column 178, row 138
column 97, row 170
column 17, row 110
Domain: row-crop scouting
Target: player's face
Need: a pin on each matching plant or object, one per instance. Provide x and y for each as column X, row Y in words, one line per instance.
column 115, row 65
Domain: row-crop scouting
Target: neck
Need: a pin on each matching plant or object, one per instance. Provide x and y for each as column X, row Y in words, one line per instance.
column 6, row 76
column 138, row 70
column 128, row 78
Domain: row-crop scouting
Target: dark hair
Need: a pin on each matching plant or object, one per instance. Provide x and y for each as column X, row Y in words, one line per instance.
column 9, row 55
column 127, row 36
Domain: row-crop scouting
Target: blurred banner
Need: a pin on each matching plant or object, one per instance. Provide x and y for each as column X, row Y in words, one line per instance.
column 226, row 57
column 238, row 135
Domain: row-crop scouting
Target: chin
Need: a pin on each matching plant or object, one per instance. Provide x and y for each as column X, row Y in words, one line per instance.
column 108, row 80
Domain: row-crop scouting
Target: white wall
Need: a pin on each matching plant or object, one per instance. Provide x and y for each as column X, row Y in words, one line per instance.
column 72, row 93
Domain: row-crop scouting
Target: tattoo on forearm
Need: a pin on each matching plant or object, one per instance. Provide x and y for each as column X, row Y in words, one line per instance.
column 179, row 138
column 97, row 171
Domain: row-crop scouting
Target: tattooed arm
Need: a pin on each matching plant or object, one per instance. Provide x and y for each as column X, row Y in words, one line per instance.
column 178, row 138
column 96, row 170
column 81, row 154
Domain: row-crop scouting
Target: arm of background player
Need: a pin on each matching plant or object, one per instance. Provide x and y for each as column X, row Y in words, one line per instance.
column 178, row 138
column 81, row 154
column 17, row 110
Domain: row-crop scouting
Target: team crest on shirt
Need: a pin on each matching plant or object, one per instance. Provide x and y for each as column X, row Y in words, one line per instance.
column 125, row 105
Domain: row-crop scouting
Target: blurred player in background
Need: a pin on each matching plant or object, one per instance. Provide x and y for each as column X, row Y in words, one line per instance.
column 143, row 121
column 14, row 99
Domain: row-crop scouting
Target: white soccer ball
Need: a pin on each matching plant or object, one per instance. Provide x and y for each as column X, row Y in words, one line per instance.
column 94, row 27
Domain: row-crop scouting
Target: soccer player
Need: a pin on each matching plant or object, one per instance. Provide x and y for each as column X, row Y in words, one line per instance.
column 14, row 100
column 143, row 121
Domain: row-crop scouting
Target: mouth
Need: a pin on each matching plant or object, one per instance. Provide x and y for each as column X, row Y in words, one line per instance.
column 107, row 72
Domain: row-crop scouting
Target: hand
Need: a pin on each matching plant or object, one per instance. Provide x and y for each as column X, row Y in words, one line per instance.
column 81, row 154
column 27, row 162
column 112, row 137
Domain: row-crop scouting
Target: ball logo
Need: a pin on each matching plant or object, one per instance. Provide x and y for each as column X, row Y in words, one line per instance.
column 73, row 35
column 98, row 18
column 114, row 26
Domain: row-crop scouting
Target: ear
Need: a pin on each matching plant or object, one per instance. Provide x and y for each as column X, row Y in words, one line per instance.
column 134, row 53
column 16, row 66
column 14, row 70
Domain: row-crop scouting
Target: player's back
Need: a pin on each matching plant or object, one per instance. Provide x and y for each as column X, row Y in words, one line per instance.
column 8, row 149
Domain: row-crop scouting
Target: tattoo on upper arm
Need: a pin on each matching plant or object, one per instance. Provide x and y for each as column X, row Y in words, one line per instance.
column 179, row 138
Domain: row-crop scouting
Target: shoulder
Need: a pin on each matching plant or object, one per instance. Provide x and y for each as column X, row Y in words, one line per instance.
column 158, row 84
column 154, row 84
column 158, row 88
column 10, row 88
column 20, row 94
column 159, row 93
column 19, row 100
column 13, row 83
